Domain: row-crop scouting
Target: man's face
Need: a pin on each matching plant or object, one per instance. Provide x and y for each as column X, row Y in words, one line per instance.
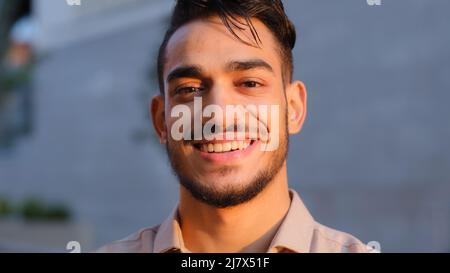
column 203, row 59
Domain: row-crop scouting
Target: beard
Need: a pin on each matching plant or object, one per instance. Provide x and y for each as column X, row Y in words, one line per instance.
column 230, row 195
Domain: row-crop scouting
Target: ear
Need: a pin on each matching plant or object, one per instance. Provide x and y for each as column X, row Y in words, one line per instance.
column 296, row 96
column 157, row 109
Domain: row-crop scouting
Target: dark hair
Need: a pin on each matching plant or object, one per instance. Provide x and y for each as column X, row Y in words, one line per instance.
column 270, row 12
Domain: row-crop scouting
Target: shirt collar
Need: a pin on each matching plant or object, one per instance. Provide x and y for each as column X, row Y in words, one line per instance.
column 294, row 234
column 296, row 230
column 169, row 237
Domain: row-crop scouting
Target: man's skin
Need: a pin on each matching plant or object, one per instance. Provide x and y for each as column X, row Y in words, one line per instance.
column 250, row 226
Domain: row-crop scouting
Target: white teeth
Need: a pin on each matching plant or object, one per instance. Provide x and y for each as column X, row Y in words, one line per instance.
column 218, row 148
column 234, row 145
column 224, row 147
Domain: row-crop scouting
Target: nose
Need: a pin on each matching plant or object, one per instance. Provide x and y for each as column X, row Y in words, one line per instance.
column 229, row 113
column 220, row 94
column 215, row 104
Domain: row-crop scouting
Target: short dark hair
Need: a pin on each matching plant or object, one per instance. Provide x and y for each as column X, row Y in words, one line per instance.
column 270, row 12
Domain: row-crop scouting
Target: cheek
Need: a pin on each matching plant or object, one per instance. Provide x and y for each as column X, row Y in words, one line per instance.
column 180, row 149
column 180, row 121
column 283, row 121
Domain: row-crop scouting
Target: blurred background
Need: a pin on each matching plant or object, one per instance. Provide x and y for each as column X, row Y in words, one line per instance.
column 79, row 160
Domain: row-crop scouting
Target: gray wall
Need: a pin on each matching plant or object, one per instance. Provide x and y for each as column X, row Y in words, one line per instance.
column 374, row 157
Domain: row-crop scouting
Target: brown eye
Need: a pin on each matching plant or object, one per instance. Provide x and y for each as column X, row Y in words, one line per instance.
column 250, row 84
column 188, row 90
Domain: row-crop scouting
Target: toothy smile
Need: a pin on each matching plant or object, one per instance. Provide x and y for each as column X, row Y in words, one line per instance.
column 224, row 146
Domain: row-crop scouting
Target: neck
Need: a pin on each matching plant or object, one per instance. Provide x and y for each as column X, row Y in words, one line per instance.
column 248, row 227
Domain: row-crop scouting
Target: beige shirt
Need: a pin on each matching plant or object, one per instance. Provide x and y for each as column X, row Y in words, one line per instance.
column 298, row 233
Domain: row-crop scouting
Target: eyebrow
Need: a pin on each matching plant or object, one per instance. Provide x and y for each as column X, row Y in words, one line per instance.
column 248, row 65
column 191, row 71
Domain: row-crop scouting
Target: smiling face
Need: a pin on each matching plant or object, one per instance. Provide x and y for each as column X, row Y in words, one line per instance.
column 204, row 60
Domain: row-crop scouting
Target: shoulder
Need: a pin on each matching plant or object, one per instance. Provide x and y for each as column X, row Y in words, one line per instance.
column 325, row 239
column 138, row 242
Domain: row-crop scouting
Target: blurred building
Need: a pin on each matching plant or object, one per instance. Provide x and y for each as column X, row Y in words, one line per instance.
column 61, row 24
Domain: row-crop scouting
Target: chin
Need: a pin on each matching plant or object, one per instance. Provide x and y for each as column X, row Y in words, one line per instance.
column 221, row 182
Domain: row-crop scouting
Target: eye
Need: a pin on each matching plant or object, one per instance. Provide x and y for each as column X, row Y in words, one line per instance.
column 188, row 90
column 250, row 84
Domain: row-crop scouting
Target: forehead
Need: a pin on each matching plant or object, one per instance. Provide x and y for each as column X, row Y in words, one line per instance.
column 207, row 43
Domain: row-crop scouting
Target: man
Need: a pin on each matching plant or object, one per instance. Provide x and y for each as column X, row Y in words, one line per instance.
column 234, row 194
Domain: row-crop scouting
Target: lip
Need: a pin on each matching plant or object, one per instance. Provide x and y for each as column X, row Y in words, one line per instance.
column 227, row 157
